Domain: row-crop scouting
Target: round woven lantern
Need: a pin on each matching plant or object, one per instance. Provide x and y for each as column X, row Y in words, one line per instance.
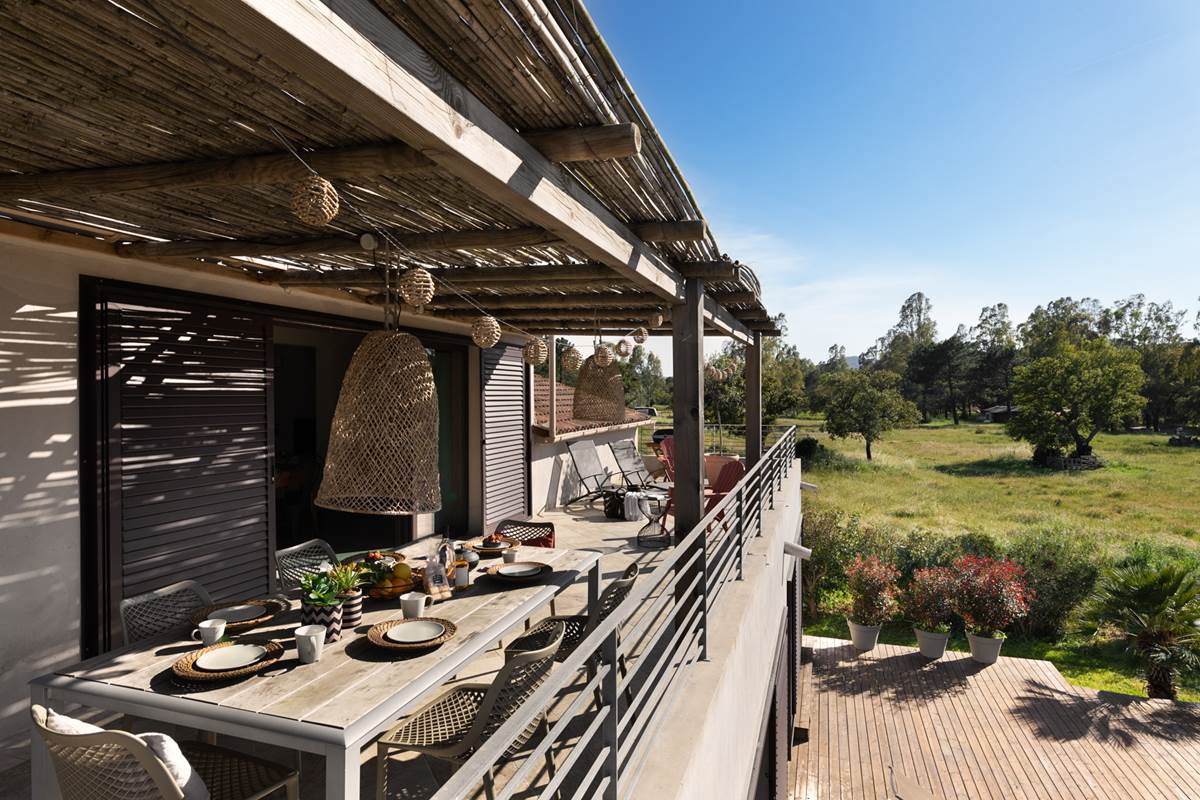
column 599, row 392
column 535, row 352
column 603, row 355
column 315, row 201
column 641, row 335
column 383, row 441
column 712, row 373
column 572, row 359
column 416, row 287
column 485, row 331
column 655, row 320
column 624, row 348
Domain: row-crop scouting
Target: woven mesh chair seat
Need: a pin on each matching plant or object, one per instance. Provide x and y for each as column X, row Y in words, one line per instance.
column 230, row 774
column 306, row 558
column 440, row 725
column 102, row 772
column 162, row 610
column 534, row 534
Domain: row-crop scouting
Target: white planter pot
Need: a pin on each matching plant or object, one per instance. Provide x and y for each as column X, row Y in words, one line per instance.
column 865, row 637
column 932, row 644
column 984, row 649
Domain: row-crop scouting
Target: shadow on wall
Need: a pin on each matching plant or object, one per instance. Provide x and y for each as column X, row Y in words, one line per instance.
column 39, row 497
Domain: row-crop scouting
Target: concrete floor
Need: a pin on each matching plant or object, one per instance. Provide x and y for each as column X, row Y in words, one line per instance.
column 414, row 777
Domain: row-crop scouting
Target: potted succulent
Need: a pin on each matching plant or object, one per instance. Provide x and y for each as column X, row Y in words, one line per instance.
column 929, row 603
column 320, row 604
column 991, row 596
column 873, row 599
column 348, row 579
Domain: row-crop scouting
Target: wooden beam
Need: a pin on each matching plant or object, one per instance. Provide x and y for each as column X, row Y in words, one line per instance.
column 583, row 300
column 687, row 231
column 635, row 317
column 708, row 270
column 595, row 143
column 730, row 298
column 350, row 50
column 502, row 239
column 688, row 405
column 342, row 162
column 461, row 277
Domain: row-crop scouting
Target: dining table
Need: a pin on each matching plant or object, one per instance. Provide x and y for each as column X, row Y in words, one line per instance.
column 334, row 707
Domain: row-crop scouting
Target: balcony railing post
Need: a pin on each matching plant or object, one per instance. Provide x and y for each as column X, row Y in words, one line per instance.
column 774, row 465
column 740, row 527
column 610, row 729
column 704, row 595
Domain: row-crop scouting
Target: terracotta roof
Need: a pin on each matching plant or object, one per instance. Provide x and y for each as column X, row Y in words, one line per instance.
column 566, row 423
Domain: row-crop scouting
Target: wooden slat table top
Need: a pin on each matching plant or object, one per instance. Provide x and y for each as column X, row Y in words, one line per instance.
column 353, row 677
column 1015, row 729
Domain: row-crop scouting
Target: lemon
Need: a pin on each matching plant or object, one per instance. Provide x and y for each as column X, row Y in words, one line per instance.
column 402, row 571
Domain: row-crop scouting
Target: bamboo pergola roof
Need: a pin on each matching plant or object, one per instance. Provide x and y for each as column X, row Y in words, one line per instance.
column 90, row 84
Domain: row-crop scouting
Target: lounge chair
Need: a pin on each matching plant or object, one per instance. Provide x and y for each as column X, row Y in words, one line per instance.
column 593, row 478
column 632, row 466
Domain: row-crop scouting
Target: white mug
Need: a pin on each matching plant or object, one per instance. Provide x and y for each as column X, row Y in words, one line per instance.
column 509, row 556
column 310, row 641
column 413, row 604
column 210, row 631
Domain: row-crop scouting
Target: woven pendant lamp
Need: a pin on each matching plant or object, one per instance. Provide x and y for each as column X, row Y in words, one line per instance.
column 641, row 335
column 315, row 201
column 572, row 359
column 535, row 352
column 603, row 355
column 655, row 320
column 416, row 287
column 600, row 392
column 383, row 442
column 712, row 373
column 485, row 331
column 624, row 348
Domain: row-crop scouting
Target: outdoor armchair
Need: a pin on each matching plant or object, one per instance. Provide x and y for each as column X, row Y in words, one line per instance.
column 306, row 558
column 162, row 610
column 527, row 532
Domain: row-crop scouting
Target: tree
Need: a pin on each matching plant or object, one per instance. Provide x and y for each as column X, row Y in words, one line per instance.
column 953, row 359
column 643, row 377
column 1061, row 320
column 836, row 362
column 996, row 348
column 1155, row 331
column 865, row 404
column 1157, row 611
column 1068, row 396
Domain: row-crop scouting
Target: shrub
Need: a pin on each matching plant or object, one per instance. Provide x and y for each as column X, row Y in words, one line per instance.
column 835, row 537
column 929, row 601
column 991, row 594
column 920, row 548
column 806, row 449
column 872, row 585
column 1060, row 572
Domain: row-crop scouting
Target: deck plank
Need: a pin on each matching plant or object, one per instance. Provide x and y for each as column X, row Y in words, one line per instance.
column 1015, row 729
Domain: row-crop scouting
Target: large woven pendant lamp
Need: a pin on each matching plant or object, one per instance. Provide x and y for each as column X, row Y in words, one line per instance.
column 383, row 442
column 600, row 392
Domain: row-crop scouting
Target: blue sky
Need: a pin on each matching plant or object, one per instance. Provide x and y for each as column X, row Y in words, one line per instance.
column 982, row 152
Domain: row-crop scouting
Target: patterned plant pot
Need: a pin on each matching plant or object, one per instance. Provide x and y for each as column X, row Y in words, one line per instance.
column 864, row 637
column 932, row 643
column 329, row 616
column 352, row 609
column 984, row 649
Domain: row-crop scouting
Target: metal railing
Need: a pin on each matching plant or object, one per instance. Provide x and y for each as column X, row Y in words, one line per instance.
column 609, row 695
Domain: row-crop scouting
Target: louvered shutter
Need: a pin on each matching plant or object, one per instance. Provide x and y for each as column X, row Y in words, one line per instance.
column 505, row 435
column 189, row 456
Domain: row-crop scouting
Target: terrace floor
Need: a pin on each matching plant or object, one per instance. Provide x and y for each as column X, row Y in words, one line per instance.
column 958, row 729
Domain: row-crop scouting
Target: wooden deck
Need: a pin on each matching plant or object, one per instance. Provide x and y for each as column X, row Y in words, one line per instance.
column 958, row 729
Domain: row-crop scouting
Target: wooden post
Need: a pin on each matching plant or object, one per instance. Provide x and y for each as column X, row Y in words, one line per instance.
column 687, row 321
column 754, row 400
column 552, row 424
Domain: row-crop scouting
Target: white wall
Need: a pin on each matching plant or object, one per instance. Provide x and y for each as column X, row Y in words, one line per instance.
column 552, row 477
column 39, row 435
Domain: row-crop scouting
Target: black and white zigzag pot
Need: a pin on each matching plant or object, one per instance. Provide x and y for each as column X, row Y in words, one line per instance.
column 329, row 616
column 351, row 609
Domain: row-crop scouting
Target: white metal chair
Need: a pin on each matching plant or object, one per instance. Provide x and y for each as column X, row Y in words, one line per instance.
column 454, row 725
column 306, row 558
column 115, row 765
column 162, row 610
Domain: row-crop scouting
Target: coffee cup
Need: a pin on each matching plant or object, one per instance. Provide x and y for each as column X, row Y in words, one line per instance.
column 209, row 631
column 310, row 641
column 510, row 556
column 413, row 604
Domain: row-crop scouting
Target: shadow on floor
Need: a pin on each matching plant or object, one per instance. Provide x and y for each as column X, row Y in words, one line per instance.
column 1119, row 718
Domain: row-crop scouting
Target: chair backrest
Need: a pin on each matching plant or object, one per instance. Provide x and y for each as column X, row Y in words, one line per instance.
column 729, row 476
column 668, row 456
column 611, row 597
column 713, row 466
column 586, row 459
column 631, row 463
column 293, row 563
column 534, row 534
column 111, row 765
column 524, row 671
column 162, row 610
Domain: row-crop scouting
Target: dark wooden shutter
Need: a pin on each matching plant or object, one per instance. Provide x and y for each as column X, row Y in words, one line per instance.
column 505, row 435
column 188, row 470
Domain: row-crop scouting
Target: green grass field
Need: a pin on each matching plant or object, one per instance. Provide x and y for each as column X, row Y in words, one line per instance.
column 974, row 478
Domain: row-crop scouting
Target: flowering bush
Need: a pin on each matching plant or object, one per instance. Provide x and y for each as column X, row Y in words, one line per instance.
column 872, row 584
column 930, row 599
column 992, row 594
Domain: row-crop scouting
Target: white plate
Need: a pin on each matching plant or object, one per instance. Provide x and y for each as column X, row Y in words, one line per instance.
column 242, row 613
column 235, row 656
column 421, row 630
column 485, row 545
column 519, row 570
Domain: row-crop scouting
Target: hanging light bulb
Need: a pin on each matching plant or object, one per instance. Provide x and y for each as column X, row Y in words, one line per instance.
column 572, row 359
column 383, row 441
column 603, row 355
column 416, row 287
column 535, row 352
column 624, row 348
column 641, row 335
column 485, row 331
